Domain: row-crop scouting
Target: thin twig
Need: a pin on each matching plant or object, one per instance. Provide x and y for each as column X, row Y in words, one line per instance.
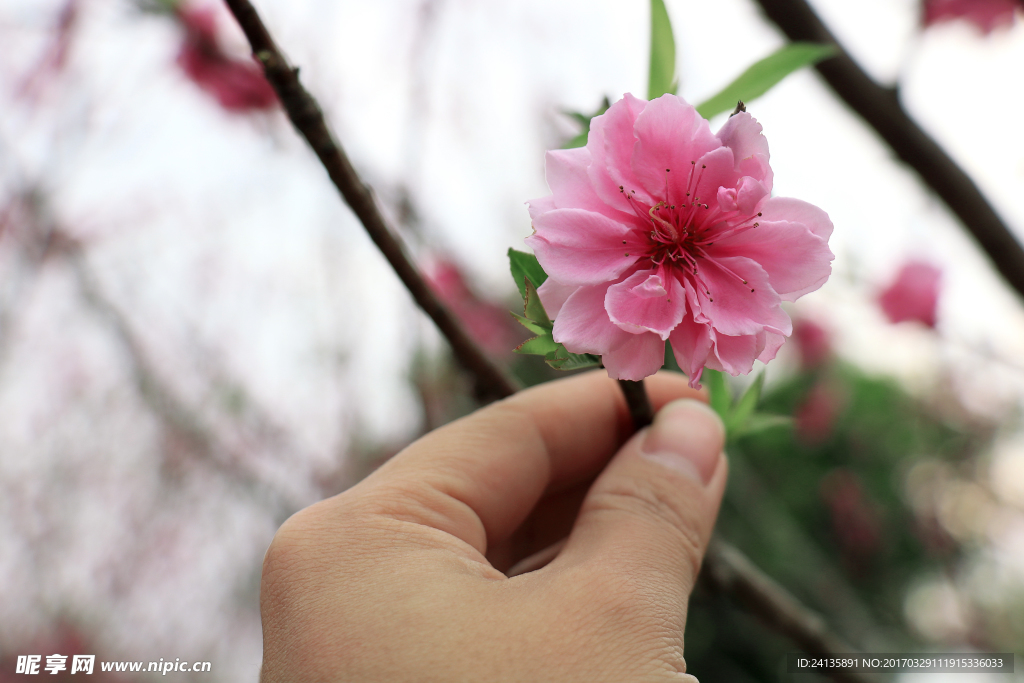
column 750, row 585
column 880, row 107
column 174, row 415
column 308, row 119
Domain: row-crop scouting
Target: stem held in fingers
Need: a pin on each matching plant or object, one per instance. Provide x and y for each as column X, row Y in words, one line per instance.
column 639, row 403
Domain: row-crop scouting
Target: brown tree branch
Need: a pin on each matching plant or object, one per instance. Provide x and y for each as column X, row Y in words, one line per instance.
column 881, row 109
column 308, row 119
column 729, row 571
column 728, row 568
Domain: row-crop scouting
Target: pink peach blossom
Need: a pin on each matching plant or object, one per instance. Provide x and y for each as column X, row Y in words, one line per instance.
column 987, row 15
column 814, row 342
column 488, row 322
column 815, row 417
column 236, row 84
column 856, row 523
column 913, row 295
column 660, row 230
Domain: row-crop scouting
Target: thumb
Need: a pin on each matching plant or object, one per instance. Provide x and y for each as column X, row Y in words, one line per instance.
column 646, row 521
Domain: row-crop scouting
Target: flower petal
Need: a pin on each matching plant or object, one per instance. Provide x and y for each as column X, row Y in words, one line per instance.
column 640, row 356
column 742, row 134
column 733, row 354
column 579, row 247
column 797, row 261
column 711, row 172
column 743, row 198
column 773, row 341
column 646, row 301
column 566, row 173
column 610, row 144
column 540, row 206
column 583, row 326
column 691, row 343
column 670, row 135
column 553, row 295
column 797, row 211
column 732, row 307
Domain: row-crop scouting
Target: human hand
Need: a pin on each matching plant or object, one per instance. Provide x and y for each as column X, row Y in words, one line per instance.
column 400, row 578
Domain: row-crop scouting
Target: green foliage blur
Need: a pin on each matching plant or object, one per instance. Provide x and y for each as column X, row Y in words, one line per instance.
column 823, row 507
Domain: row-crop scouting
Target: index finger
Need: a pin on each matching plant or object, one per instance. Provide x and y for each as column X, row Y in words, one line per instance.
column 479, row 477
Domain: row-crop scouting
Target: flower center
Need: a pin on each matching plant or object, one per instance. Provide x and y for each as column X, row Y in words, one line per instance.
column 681, row 233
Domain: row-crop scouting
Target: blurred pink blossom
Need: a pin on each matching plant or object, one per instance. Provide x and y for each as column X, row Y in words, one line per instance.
column 855, row 522
column 661, row 230
column 815, row 418
column 987, row 15
column 813, row 341
column 913, row 295
column 488, row 323
column 238, row 85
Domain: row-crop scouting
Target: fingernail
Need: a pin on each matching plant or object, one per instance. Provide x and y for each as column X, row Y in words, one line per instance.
column 687, row 436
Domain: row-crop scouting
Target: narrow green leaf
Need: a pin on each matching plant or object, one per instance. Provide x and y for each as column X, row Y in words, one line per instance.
column 744, row 407
column 538, row 346
column 760, row 77
column 759, row 422
column 662, row 77
column 524, row 265
column 718, row 390
column 533, row 309
column 536, row 328
column 580, row 117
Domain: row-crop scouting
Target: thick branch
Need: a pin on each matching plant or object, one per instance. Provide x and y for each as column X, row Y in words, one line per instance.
column 728, row 568
column 308, row 119
column 881, row 108
column 729, row 571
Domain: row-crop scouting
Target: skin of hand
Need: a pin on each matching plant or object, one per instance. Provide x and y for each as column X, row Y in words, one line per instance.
column 403, row 576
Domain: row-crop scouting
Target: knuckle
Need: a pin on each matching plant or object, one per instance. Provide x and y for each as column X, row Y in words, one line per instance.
column 301, row 543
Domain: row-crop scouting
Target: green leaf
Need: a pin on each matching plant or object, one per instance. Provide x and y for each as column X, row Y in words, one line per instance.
column 670, row 359
column 760, row 77
column 525, row 265
column 721, row 398
column 578, row 141
column 744, row 407
column 533, row 309
column 759, row 422
column 584, row 121
column 563, row 360
column 536, row 328
column 541, row 345
column 662, row 77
